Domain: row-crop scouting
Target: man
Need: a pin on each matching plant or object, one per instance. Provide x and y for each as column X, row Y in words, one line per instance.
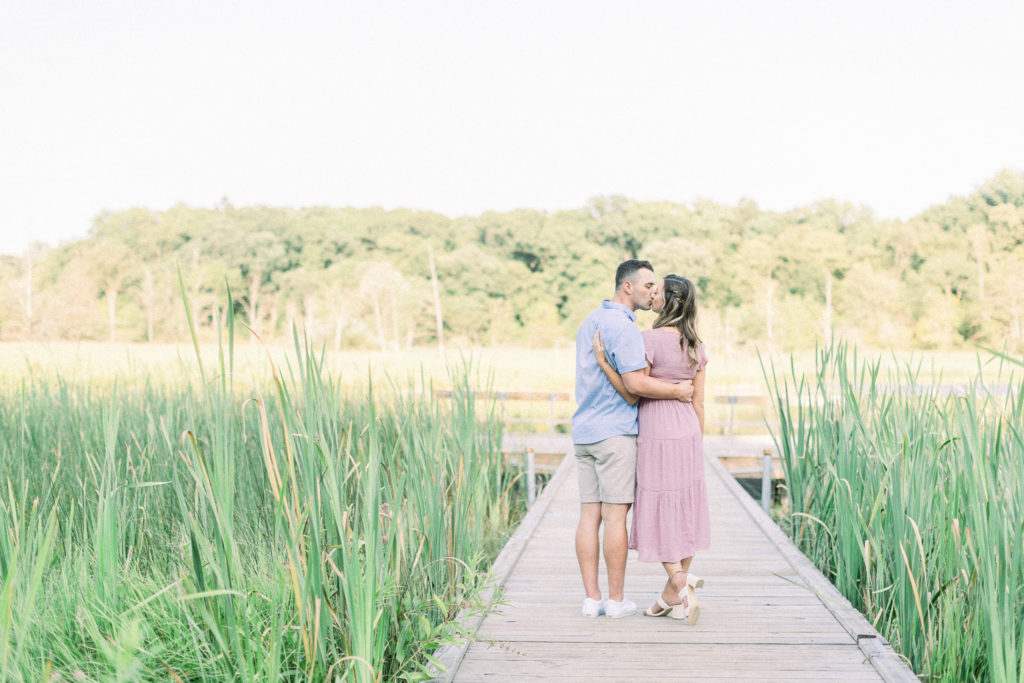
column 604, row 429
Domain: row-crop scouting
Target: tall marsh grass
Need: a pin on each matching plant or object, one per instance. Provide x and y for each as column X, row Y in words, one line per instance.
column 911, row 500
column 213, row 530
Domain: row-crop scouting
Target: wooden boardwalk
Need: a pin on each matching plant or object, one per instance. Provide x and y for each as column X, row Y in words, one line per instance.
column 767, row 613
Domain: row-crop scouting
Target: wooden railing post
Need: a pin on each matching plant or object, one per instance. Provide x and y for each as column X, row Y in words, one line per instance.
column 766, row 481
column 531, row 478
column 732, row 414
column 551, row 403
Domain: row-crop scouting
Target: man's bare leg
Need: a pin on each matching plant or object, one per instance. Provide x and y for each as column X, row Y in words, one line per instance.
column 616, row 544
column 588, row 547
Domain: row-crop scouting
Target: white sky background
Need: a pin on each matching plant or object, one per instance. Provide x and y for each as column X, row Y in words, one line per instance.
column 462, row 107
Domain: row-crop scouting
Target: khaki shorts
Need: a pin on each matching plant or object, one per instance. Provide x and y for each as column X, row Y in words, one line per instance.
column 607, row 470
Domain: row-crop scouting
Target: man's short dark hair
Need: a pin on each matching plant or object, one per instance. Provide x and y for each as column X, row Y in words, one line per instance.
column 628, row 269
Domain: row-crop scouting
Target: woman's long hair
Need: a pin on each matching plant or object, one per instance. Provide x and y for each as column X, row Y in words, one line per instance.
column 680, row 312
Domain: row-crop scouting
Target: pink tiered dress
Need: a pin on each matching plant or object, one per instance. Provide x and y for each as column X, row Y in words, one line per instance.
column 670, row 513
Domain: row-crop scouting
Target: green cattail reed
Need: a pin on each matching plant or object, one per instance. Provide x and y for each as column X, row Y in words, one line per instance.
column 911, row 500
column 224, row 528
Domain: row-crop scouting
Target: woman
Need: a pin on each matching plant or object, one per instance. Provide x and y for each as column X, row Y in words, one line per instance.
column 670, row 514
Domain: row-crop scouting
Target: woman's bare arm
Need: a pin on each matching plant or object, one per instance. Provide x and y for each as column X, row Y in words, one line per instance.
column 698, row 398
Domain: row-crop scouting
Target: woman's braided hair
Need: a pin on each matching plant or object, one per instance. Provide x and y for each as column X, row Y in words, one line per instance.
column 680, row 312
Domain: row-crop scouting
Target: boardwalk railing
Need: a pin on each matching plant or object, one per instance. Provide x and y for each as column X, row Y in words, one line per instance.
column 766, row 470
column 529, row 443
column 734, row 400
column 767, row 465
column 553, row 398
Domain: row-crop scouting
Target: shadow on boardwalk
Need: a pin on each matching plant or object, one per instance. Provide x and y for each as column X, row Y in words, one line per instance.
column 767, row 613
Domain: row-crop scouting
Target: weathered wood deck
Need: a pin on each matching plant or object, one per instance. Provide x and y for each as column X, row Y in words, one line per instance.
column 767, row 613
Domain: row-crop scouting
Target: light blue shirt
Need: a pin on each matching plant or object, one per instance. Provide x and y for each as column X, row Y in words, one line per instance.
column 601, row 412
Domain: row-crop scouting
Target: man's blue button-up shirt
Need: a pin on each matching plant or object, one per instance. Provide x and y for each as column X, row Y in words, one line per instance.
column 601, row 412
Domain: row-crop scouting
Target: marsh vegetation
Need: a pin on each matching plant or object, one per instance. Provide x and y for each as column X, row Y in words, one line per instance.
column 207, row 527
column 909, row 496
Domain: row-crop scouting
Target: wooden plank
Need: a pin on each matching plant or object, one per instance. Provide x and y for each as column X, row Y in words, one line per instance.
column 741, row 656
column 663, row 661
column 763, row 616
column 878, row 650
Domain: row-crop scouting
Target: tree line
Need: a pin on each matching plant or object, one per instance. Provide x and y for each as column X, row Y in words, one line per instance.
column 369, row 277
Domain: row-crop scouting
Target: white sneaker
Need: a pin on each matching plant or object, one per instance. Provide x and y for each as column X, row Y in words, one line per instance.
column 619, row 609
column 593, row 608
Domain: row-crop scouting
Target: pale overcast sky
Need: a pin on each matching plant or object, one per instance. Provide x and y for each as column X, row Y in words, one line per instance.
column 466, row 106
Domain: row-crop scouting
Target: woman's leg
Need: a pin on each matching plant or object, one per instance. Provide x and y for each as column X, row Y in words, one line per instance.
column 676, row 582
column 678, row 593
column 689, row 599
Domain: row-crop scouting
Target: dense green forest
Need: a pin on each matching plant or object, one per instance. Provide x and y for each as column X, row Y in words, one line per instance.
column 363, row 277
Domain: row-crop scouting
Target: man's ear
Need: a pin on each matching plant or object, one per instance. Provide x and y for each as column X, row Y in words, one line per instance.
column 627, row 287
